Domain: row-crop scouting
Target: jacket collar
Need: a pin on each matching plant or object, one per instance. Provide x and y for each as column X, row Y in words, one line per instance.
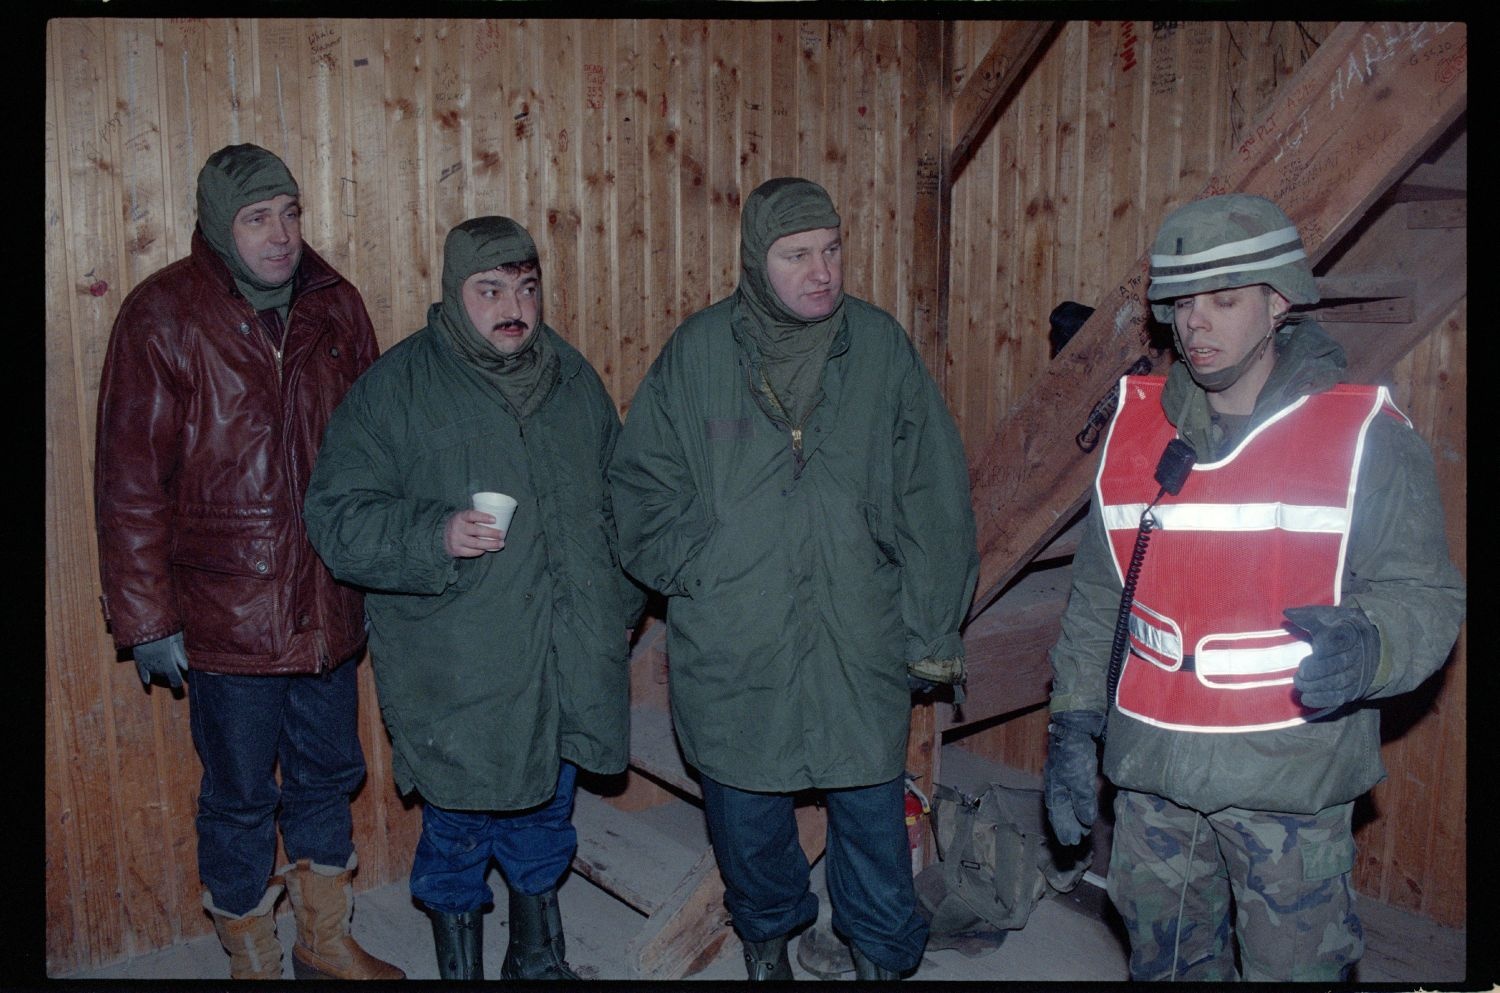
column 1307, row 361
column 313, row 273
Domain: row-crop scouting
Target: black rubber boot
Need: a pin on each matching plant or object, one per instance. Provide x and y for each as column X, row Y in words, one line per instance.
column 459, row 940
column 865, row 970
column 767, row 961
column 536, row 949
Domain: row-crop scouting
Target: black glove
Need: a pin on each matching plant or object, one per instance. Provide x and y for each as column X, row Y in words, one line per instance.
column 1068, row 777
column 163, row 657
column 920, row 686
column 1345, row 655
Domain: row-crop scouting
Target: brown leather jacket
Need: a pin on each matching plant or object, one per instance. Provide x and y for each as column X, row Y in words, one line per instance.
column 206, row 440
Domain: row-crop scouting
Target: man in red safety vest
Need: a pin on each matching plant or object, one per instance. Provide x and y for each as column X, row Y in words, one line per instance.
column 1264, row 555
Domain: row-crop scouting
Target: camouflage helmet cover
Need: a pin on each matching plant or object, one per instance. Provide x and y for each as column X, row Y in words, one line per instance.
column 1221, row 242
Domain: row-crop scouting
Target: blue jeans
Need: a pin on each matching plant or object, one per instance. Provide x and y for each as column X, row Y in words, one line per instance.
column 869, row 868
column 534, row 848
column 243, row 728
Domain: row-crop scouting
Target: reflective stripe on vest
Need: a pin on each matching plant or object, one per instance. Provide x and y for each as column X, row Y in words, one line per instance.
column 1264, row 528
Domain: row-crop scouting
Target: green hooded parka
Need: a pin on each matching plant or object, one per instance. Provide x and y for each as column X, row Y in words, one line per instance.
column 802, row 574
column 490, row 670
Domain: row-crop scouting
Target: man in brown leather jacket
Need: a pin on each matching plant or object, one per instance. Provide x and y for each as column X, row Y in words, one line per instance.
column 222, row 371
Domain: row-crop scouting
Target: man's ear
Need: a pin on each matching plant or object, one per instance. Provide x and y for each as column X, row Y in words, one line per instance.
column 1279, row 305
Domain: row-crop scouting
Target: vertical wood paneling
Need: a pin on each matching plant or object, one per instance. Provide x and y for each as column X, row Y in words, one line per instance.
column 319, row 65
column 1024, row 343
column 831, row 166
column 137, row 719
column 279, row 126
column 724, row 140
column 786, row 99
column 1439, row 368
column 530, row 66
column 599, row 330
column 881, row 119
column 1416, row 860
column 810, row 41
column 186, row 70
column 693, row 262
column 663, row 112
column 631, row 251
column 488, row 164
column 755, row 113
column 414, row 245
column 448, row 149
column 626, row 147
column 364, row 207
column 852, row 147
column 1071, row 54
column 924, row 173
column 560, row 120
column 80, row 683
column 64, row 868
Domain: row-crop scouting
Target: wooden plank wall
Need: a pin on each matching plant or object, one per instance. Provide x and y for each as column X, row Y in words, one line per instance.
column 1119, row 123
column 626, row 147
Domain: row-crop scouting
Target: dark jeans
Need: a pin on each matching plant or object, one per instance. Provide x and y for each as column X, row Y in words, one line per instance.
column 869, row 868
column 243, row 728
column 533, row 847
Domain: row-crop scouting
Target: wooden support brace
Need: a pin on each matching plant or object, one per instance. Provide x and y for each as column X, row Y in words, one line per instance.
column 1379, row 298
column 1351, row 122
column 1438, row 214
column 689, row 928
column 1432, row 182
column 992, row 84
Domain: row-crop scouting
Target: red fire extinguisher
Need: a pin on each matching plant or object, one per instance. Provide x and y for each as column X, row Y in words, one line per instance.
column 917, row 807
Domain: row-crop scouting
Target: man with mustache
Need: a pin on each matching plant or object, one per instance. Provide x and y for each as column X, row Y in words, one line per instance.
column 791, row 479
column 222, row 371
column 1296, row 572
column 500, row 654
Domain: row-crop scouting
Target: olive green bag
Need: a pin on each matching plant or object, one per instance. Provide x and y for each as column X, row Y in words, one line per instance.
column 995, row 864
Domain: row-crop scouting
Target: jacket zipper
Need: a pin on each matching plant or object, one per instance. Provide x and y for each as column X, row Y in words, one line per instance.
column 796, row 430
column 277, row 354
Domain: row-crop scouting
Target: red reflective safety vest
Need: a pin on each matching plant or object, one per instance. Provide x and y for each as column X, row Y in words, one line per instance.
column 1264, row 528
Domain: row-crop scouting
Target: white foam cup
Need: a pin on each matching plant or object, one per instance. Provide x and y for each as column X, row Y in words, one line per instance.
column 498, row 505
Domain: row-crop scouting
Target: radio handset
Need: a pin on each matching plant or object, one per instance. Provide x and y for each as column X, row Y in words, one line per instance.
column 1172, row 469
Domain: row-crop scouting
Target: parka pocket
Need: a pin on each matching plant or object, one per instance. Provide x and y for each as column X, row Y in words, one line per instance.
column 227, row 592
column 880, row 532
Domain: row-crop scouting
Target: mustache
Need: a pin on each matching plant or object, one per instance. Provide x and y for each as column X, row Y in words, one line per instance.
column 508, row 325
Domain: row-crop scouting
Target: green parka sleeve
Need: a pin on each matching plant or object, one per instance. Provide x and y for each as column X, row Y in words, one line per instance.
column 632, row 596
column 1081, row 655
column 1399, row 572
column 934, row 521
column 358, row 518
column 663, row 518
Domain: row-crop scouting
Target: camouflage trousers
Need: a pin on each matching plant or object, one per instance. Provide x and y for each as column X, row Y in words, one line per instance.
column 1192, row 886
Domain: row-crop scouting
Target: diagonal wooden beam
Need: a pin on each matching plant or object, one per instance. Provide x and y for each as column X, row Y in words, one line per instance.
column 991, row 85
column 1351, row 122
column 925, row 92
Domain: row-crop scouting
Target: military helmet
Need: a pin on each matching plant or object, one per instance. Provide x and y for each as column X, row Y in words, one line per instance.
column 1226, row 241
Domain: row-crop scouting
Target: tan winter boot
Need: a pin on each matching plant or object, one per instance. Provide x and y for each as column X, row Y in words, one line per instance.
column 249, row 938
column 323, row 904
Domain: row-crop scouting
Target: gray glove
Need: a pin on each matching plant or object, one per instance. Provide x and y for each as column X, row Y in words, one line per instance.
column 1068, row 777
column 163, row 657
column 1345, row 655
